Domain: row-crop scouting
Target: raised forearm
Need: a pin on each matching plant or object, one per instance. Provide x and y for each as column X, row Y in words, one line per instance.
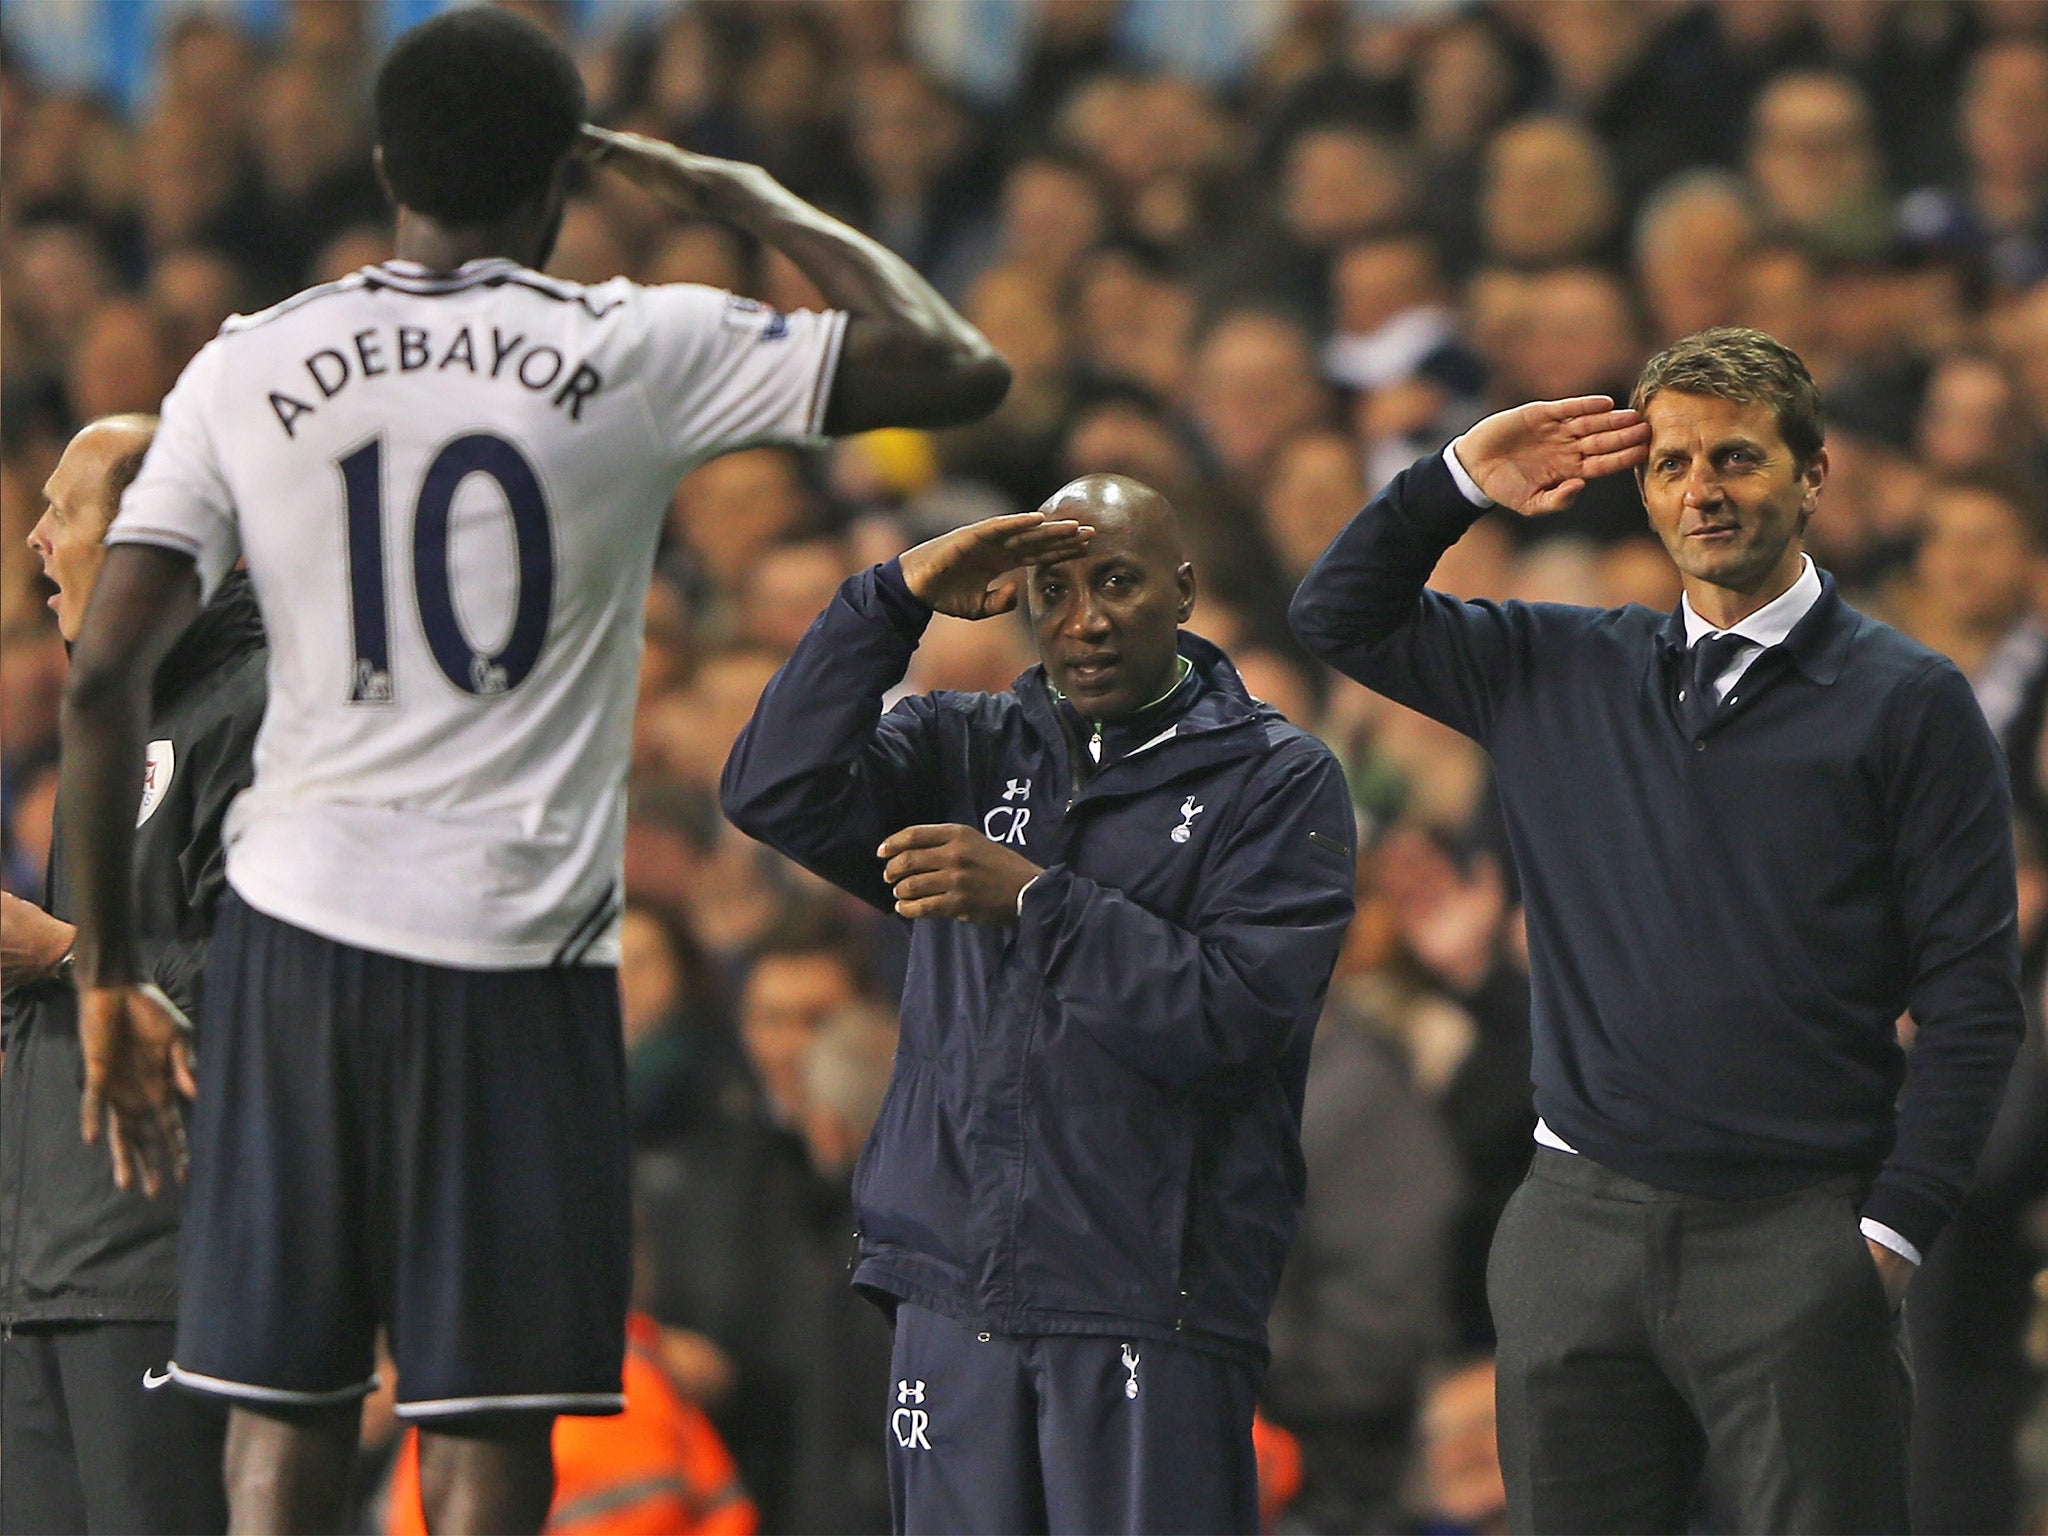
column 853, row 272
column 909, row 357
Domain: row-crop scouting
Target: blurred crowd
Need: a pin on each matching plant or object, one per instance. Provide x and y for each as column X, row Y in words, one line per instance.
column 1263, row 290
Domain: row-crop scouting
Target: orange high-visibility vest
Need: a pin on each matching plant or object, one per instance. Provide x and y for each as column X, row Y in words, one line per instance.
column 1279, row 1454
column 658, row 1469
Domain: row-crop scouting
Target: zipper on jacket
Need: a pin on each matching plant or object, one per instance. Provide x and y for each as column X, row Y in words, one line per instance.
column 1081, row 761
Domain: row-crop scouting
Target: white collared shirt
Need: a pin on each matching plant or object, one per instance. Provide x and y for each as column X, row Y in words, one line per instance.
column 1767, row 627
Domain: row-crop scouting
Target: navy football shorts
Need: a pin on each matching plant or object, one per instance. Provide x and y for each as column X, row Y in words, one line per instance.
column 380, row 1141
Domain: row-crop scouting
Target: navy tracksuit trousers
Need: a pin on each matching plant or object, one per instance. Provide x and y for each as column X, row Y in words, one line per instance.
column 1065, row 1433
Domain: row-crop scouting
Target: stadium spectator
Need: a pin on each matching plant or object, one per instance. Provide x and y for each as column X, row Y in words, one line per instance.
column 1972, row 422
column 1396, row 341
column 1691, row 241
column 1316, row 485
column 1135, row 320
column 1814, row 160
column 1062, row 1259
column 89, row 1270
column 1576, row 334
column 1460, row 1483
column 682, row 1061
column 1340, row 184
column 313, row 168
column 747, row 1218
column 1464, row 84
column 1053, row 209
column 1646, row 80
column 190, row 293
column 1970, row 595
column 1255, row 385
column 1362, row 1306
column 730, row 510
column 919, row 193
column 1548, row 198
column 1999, row 207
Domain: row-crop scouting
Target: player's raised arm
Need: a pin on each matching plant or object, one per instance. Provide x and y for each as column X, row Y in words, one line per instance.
column 909, row 359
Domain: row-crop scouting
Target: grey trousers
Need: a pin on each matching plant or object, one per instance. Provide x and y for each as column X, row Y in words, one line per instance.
column 1653, row 1345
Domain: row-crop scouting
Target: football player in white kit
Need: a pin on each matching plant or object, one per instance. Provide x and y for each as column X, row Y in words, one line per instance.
column 447, row 476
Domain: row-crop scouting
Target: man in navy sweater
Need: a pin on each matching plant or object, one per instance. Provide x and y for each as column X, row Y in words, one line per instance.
column 1751, row 834
column 1129, row 881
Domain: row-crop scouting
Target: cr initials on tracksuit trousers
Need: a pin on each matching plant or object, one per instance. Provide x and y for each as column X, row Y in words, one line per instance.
column 1065, row 1432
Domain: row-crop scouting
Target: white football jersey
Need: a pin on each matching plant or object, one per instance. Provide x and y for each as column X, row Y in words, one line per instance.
column 449, row 490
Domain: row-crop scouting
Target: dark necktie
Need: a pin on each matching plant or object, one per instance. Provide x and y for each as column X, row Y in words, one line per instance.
column 1705, row 662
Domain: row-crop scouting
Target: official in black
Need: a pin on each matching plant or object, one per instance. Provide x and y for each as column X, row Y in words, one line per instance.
column 1751, row 833
column 89, row 1272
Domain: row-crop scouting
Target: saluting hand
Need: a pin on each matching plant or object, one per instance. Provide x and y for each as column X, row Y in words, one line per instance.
column 968, row 573
column 1536, row 458
column 954, row 871
column 138, row 1058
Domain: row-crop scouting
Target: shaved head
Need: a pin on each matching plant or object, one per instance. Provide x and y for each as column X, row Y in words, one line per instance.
column 1108, row 621
column 1117, row 502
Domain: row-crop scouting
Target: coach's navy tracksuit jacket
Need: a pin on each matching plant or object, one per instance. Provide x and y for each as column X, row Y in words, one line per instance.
column 1093, row 1125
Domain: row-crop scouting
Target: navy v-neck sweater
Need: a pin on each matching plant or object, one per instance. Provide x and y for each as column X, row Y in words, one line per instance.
column 1723, row 930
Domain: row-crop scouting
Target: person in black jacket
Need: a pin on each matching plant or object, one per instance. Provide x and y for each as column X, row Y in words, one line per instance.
column 88, row 1272
column 1751, row 835
column 1128, row 882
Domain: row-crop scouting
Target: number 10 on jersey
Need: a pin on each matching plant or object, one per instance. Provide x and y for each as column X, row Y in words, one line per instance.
column 461, row 661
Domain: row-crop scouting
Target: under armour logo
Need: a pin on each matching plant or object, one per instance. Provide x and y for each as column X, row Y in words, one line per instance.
column 1188, row 812
column 908, row 1424
column 1131, row 1364
column 1020, row 789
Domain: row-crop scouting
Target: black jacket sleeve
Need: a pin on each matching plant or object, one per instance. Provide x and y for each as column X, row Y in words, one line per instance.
column 219, row 756
column 1181, row 1004
column 1952, row 852
column 820, row 773
column 1365, row 608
